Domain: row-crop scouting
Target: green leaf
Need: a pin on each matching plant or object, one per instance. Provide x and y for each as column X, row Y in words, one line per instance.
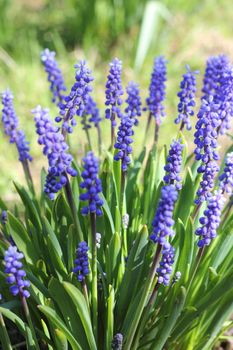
column 22, row 239
column 187, row 196
column 113, row 258
column 108, row 213
column 110, row 318
column 14, row 318
column 54, row 250
column 29, row 338
column 165, row 331
column 224, row 312
column 83, row 312
column 30, row 206
column 61, row 341
column 68, row 310
column 132, row 275
column 186, row 243
column 55, row 319
column 154, row 10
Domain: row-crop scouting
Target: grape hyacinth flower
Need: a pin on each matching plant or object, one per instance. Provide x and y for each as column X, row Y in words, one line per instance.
column 55, row 78
column 165, row 266
column 207, row 182
column 117, row 342
column 113, row 92
column 173, row 165
column 81, row 268
column 157, row 93
column 55, row 148
column 218, row 82
column 94, row 118
column 4, row 217
column 93, row 111
column 226, row 178
column 11, row 123
column 215, row 67
column 124, row 141
column 163, row 221
column 206, row 134
column 224, row 96
column 75, row 102
column 211, row 219
column 206, row 144
column 133, row 109
column 15, row 273
column 187, row 99
column 92, row 184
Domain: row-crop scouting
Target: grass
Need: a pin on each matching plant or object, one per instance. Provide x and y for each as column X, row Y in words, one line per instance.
column 189, row 37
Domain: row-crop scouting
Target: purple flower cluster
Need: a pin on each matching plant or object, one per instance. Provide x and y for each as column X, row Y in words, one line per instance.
column 187, row 98
column 211, row 219
column 224, row 97
column 55, row 148
column 10, row 123
column 133, row 109
column 173, row 166
column 91, row 111
column 163, row 221
column 92, row 184
column 218, row 82
column 81, row 268
column 15, row 273
column 114, row 91
column 157, row 89
column 207, row 182
column 165, row 266
column 117, row 342
column 75, row 102
column 215, row 67
column 4, row 217
column 57, row 84
column 206, row 144
column 226, row 178
column 206, row 134
column 124, row 141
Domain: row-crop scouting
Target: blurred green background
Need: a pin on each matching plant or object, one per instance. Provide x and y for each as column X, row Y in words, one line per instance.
column 98, row 30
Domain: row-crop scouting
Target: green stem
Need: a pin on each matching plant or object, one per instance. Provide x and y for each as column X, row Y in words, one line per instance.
column 88, row 138
column 138, row 312
column 156, row 135
column 28, row 177
column 122, row 210
column 147, row 126
column 5, row 340
column 94, row 276
column 197, row 264
column 85, row 293
column 113, row 117
column 29, row 320
column 196, row 210
column 182, row 126
column 99, row 139
column 73, row 208
column 123, row 183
